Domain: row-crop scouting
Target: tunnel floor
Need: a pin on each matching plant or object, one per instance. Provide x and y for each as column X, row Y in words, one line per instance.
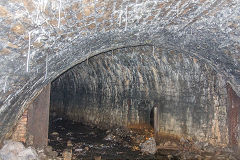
column 89, row 142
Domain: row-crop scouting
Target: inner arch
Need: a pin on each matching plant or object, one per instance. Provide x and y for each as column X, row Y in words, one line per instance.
column 120, row 87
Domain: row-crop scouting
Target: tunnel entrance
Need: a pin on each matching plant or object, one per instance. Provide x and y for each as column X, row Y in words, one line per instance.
column 195, row 54
column 108, row 104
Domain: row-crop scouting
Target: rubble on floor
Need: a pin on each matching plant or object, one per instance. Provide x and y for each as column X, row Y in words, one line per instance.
column 89, row 142
column 75, row 141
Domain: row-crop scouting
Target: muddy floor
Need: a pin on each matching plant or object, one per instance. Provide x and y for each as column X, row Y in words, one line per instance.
column 90, row 142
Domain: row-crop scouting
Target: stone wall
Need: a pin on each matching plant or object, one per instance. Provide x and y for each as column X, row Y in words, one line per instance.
column 40, row 39
column 120, row 88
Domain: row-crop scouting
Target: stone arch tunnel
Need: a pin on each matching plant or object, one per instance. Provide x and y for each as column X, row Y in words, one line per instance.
column 182, row 56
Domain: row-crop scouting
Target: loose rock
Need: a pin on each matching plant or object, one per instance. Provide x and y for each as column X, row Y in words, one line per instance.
column 86, row 148
column 78, row 150
column 54, row 154
column 42, row 156
column 109, row 137
column 12, row 147
column 170, row 157
column 55, row 134
column 28, row 154
column 168, row 143
column 48, row 149
column 16, row 151
column 149, row 146
column 97, row 157
column 67, row 154
column 69, row 143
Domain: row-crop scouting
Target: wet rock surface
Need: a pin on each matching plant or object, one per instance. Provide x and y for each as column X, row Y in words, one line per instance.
column 78, row 141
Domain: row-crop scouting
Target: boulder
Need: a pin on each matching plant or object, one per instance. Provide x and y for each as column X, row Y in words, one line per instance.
column 11, row 147
column 28, row 154
column 149, row 146
column 16, row 151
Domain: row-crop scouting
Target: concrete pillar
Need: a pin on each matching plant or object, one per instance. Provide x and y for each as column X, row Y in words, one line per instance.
column 38, row 118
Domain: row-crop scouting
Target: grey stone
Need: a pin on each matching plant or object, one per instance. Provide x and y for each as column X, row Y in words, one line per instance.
column 78, row 150
column 9, row 156
column 28, row 154
column 149, row 146
column 48, row 150
column 54, row 154
column 16, row 151
column 110, row 137
column 11, row 147
column 42, row 156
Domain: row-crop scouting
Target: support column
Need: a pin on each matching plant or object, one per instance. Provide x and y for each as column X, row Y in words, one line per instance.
column 233, row 117
column 38, row 118
column 156, row 120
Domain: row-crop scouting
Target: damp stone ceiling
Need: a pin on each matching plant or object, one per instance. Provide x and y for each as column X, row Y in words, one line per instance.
column 40, row 39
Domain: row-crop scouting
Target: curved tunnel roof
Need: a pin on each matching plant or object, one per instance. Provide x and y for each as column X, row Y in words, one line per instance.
column 39, row 40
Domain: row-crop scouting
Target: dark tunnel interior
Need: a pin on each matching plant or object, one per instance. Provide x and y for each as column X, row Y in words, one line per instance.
column 149, row 90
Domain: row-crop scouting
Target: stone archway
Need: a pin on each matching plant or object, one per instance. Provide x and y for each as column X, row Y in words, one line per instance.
column 42, row 39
